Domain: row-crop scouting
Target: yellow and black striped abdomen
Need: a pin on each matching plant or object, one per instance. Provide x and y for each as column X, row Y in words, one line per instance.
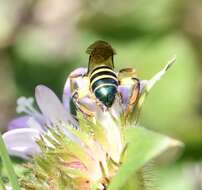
column 104, row 83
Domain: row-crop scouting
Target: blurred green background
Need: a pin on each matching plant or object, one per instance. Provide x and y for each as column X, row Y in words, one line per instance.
column 42, row 41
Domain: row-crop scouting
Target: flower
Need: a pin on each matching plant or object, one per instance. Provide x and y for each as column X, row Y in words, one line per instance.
column 78, row 152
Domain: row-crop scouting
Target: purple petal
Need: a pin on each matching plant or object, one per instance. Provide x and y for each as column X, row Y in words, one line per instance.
column 89, row 103
column 50, row 105
column 125, row 92
column 67, row 89
column 19, row 122
column 25, row 122
column 21, row 142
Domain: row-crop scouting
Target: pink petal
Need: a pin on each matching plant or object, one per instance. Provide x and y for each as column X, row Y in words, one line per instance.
column 21, row 142
column 50, row 105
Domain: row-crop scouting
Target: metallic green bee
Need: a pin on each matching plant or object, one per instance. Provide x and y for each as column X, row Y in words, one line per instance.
column 102, row 80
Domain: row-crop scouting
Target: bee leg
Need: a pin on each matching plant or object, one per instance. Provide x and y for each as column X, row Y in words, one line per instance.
column 134, row 95
column 72, row 77
column 92, row 96
column 99, row 104
column 77, row 95
column 126, row 73
column 127, row 77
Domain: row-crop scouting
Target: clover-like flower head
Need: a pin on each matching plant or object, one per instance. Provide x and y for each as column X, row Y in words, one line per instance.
column 75, row 151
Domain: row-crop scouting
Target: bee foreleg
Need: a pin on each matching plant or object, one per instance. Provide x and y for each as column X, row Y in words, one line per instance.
column 134, row 93
column 77, row 96
column 134, row 84
column 79, row 93
column 72, row 79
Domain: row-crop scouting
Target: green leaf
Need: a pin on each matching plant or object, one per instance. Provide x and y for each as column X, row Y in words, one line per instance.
column 143, row 146
column 8, row 165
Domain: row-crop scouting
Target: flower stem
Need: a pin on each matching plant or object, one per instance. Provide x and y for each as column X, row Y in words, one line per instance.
column 8, row 165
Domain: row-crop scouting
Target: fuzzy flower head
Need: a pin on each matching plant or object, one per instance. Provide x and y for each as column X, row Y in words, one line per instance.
column 79, row 147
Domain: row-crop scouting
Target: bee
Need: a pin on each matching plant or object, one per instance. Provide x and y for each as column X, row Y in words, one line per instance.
column 102, row 79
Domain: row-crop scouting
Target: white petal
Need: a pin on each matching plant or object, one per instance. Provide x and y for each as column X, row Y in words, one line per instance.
column 21, row 142
column 117, row 108
column 50, row 105
column 112, row 132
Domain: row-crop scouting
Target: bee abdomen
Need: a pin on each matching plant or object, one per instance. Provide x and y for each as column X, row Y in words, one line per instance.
column 104, row 85
column 103, row 82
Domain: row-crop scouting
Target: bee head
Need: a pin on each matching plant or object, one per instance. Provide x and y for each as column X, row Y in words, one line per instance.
column 100, row 51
